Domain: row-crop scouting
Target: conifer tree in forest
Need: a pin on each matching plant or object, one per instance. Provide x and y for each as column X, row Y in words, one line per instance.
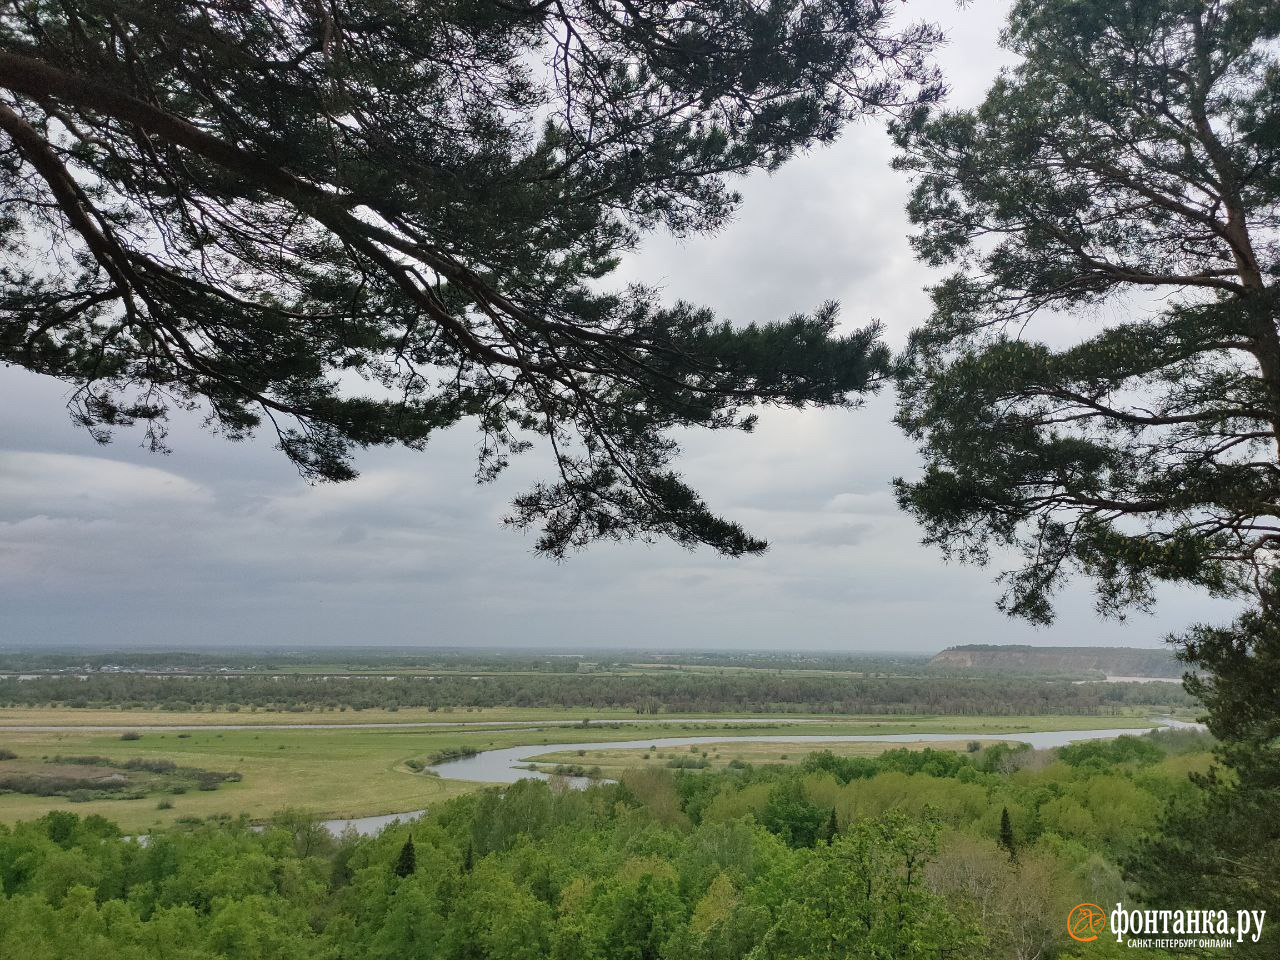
column 352, row 223
column 1006, row 834
column 832, row 828
column 407, row 861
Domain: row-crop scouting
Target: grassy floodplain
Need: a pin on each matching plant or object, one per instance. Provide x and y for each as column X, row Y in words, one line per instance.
column 363, row 772
column 718, row 756
column 113, row 716
column 126, row 717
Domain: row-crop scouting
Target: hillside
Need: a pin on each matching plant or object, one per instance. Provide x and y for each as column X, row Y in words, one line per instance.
column 1113, row 661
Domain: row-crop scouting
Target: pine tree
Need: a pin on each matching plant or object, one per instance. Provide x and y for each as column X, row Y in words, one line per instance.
column 1121, row 179
column 1132, row 150
column 407, row 862
column 832, row 828
column 1006, row 834
column 257, row 207
column 468, row 858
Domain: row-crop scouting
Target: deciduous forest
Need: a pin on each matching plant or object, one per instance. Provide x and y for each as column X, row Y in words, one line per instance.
column 898, row 856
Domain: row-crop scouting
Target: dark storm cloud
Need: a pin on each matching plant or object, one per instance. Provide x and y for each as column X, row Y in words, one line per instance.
column 222, row 543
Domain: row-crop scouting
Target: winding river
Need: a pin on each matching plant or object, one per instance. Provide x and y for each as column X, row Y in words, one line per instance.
column 507, row 764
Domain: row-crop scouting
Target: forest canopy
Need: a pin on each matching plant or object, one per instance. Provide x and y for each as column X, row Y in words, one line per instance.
column 895, row 857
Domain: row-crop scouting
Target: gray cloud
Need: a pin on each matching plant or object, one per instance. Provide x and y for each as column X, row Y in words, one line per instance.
column 222, row 543
column 836, row 535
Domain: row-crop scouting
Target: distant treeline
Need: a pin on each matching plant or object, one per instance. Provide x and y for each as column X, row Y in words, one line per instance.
column 447, row 660
column 755, row 692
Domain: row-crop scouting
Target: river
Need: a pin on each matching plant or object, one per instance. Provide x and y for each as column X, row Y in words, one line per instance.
column 505, row 765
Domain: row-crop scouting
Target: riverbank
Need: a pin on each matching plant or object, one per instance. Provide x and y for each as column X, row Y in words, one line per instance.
column 354, row 772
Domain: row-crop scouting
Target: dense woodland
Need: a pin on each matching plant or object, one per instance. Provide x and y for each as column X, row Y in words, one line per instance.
column 654, row 693
column 909, row 855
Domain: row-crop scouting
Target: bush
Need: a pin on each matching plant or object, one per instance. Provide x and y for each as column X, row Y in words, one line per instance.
column 131, row 735
column 165, row 804
column 7, row 754
column 451, row 753
column 150, row 765
column 210, row 779
column 1101, row 754
column 689, row 763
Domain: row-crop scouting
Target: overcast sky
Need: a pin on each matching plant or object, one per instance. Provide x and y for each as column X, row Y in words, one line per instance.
column 222, row 543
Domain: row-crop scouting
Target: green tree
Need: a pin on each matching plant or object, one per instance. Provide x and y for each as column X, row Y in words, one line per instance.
column 1006, row 834
column 407, row 861
column 358, row 223
column 1123, row 173
column 864, row 897
column 792, row 816
column 1223, row 840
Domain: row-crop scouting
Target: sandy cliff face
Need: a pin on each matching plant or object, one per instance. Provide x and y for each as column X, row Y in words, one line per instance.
column 1114, row 661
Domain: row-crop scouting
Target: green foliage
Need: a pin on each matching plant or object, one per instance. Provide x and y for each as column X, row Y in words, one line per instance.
column 912, row 689
column 1006, row 834
column 791, row 816
column 359, row 227
column 864, row 896
column 406, row 862
column 901, row 858
column 84, row 778
column 688, row 763
column 1129, row 157
column 451, row 753
column 1139, row 751
column 1223, row 840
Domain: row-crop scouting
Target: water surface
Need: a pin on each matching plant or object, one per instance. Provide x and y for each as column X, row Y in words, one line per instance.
column 506, row 764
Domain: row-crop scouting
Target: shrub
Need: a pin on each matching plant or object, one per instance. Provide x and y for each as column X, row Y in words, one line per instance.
column 131, row 735
column 689, row 763
column 150, row 765
column 451, row 753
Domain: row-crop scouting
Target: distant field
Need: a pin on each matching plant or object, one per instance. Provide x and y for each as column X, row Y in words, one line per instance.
column 343, row 773
column 37, row 716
